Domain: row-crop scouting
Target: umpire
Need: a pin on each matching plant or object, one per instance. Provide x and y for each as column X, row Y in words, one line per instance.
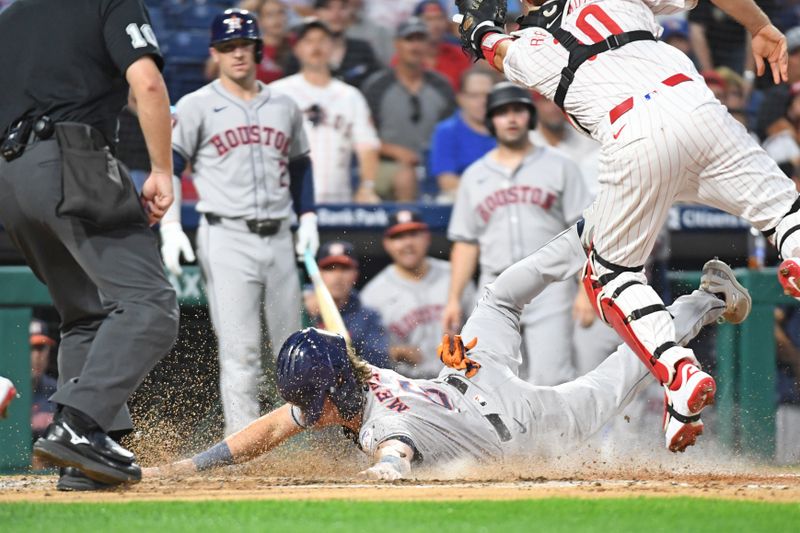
column 71, row 209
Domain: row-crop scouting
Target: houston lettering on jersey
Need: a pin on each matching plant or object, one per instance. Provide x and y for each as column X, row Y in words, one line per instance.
column 245, row 135
column 415, row 318
column 517, row 194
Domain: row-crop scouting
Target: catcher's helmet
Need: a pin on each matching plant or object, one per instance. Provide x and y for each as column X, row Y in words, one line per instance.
column 313, row 365
column 505, row 93
column 234, row 24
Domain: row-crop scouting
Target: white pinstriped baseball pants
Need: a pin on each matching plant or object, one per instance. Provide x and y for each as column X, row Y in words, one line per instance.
column 678, row 145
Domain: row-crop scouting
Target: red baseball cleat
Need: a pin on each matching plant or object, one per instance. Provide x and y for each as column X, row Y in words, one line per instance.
column 789, row 277
column 691, row 391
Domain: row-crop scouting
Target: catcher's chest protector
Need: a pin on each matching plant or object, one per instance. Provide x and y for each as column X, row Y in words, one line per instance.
column 550, row 16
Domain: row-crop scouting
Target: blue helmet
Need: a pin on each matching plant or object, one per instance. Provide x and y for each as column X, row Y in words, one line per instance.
column 313, row 365
column 234, row 24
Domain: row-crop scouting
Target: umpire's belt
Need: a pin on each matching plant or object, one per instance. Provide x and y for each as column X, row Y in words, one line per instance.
column 461, row 385
column 263, row 227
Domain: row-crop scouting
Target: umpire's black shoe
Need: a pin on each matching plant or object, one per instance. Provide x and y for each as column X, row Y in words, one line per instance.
column 72, row 479
column 68, row 442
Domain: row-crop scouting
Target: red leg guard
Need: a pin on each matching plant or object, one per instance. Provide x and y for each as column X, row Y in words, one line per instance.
column 612, row 315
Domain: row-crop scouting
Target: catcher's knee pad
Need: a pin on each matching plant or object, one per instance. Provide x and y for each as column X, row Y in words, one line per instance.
column 623, row 300
column 786, row 235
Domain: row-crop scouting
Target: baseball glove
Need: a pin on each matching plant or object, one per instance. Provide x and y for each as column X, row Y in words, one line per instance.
column 474, row 13
column 453, row 354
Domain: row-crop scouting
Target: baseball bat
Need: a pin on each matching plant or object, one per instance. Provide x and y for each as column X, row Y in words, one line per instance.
column 327, row 307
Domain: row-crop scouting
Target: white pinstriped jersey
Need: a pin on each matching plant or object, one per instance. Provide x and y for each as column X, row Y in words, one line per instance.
column 412, row 311
column 239, row 150
column 337, row 121
column 535, row 59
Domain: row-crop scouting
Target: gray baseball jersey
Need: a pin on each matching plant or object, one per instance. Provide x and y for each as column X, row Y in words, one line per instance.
column 239, row 150
column 495, row 414
column 509, row 214
column 412, row 311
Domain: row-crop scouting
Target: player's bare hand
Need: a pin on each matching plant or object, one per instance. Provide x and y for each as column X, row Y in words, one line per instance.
column 770, row 44
column 582, row 310
column 366, row 195
column 183, row 467
column 451, row 317
column 157, row 195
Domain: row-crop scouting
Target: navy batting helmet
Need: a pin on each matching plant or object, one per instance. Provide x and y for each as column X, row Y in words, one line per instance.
column 313, row 365
column 505, row 93
column 233, row 24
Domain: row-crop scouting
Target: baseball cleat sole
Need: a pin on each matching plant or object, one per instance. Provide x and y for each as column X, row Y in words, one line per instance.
column 789, row 277
column 718, row 279
column 703, row 395
column 686, row 436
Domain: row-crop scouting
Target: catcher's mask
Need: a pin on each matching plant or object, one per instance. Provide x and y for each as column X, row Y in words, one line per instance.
column 234, row 24
column 505, row 93
column 312, row 365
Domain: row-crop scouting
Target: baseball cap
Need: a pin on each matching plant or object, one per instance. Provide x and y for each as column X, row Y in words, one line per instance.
column 308, row 24
column 39, row 334
column 405, row 220
column 411, row 26
column 675, row 27
column 428, row 6
column 793, row 39
column 337, row 253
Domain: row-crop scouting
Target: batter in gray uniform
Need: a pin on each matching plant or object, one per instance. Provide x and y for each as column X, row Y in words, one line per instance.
column 410, row 295
column 249, row 156
column 481, row 412
column 509, row 203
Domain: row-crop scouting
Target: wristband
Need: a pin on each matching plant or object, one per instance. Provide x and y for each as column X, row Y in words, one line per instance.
column 217, row 455
column 368, row 184
column 398, row 464
column 489, row 43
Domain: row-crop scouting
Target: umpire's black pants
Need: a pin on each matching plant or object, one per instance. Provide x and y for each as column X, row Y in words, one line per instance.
column 119, row 314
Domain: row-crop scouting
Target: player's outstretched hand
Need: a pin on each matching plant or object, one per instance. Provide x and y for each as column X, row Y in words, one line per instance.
column 770, row 44
column 381, row 471
column 172, row 469
column 175, row 243
column 157, row 195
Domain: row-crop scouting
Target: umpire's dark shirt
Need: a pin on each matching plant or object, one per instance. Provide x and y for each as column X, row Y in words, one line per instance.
column 68, row 58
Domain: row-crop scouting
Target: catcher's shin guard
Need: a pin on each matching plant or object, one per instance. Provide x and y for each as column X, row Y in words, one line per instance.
column 622, row 299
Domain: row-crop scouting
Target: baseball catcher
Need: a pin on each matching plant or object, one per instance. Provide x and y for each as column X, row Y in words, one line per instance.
column 665, row 138
column 477, row 408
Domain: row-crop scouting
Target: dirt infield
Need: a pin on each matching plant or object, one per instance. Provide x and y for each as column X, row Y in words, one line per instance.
column 776, row 487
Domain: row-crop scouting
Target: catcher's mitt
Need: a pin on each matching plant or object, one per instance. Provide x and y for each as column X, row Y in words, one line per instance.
column 473, row 14
column 453, row 354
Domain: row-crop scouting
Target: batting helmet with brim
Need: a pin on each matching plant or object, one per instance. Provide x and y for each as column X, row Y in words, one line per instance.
column 235, row 24
column 503, row 94
column 313, row 365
